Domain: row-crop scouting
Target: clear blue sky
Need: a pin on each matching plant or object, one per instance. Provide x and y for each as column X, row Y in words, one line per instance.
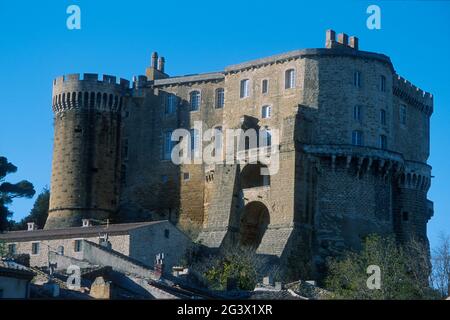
column 199, row 36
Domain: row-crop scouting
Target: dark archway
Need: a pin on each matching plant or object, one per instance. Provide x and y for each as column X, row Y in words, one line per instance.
column 251, row 176
column 254, row 222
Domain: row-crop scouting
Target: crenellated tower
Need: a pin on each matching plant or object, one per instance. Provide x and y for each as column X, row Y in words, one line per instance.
column 86, row 155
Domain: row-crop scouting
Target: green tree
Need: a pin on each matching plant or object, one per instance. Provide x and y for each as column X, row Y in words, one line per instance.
column 404, row 271
column 9, row 191
column 38, row 213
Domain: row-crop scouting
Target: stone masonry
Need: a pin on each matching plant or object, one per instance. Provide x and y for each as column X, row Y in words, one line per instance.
column 354, row 144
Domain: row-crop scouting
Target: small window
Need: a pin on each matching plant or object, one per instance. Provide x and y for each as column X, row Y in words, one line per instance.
column 357, row 113
column 77, row 245
column 35, row 248
column 267, row 138
column 12, row 248
column 171, row 103
column 383, row 117
column 405, row 216
column 168, row 144
column 402, row 114
column 61, row 250
column 265, row 86
column 383, row 141
column 220, row 98
column 357, row 79
column 166, row 233
column 266, row 112
column 244, row 88
column 383, row 83
column 289, row 79
column 195, row 100
column 186, row 176
column 357, row 138
column 195, row 141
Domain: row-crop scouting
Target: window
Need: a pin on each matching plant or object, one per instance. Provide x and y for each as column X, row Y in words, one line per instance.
column 267, row 137
column 195, row 141
column 403, row 114
column 168, row 144
column 195, row 100
column 244, row 92
column 166, row 233
column 35, row 248
column 405, row 216
column 61, row 250
column 383, row 117
column 357, row 113
column 266, row 112
column 77, row 245
column 171, row 103
column 383, row 141
column 186, row 176
column 289, row 79
column 357, row 138
column 357, row 79
column 218, row 137
column 12, row 248
column 220, row 98
column 383, row 83
column 265, row 86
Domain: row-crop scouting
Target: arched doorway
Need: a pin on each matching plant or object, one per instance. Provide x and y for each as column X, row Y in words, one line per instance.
column 251, row 176
column 254, row 222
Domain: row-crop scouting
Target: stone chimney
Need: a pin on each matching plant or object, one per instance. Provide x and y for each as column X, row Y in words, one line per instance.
column 161, row 62
column 31, row 226
column 159, row 264
column 330, row 38
column 343, row 39
column 154, row 60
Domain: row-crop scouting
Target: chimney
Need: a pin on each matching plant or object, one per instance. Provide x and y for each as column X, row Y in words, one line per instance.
column 31, row 226
column 343, row 39
column 159, row 264
column 154, row 60
column 330, row 38
column 86, row 223
column 354, row 42
column 161, row 64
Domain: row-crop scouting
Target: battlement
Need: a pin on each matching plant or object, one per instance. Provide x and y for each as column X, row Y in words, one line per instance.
column 88, row 92
column 412, row 94
column 92, row 78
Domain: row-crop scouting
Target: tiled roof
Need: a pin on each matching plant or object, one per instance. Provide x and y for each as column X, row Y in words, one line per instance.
column 112, row 229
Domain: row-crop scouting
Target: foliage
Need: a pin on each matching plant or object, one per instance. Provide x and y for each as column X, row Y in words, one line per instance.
column 38, row 213
column 3, row 250
column 9, row 191
column 404, row 271
column 441, row 266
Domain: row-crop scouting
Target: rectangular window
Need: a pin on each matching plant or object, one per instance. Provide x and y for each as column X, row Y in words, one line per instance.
column 12, row 248
column 77, row 245
column 357, row 138
column 167, row 146
column 171, row 103
column 266, row 112
column 383, row 83
column 402, row 114
column 244, row 92
column 186, row 176
column 35, row 248
column 265, row 86
column 383, row 141
column 220, row 98
column 194, row 100
column 357, row 113
column 357, row 79
column 383, row 117
column 289, row 79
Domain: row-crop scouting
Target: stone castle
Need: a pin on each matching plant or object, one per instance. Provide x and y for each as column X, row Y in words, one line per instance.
column 353, row 150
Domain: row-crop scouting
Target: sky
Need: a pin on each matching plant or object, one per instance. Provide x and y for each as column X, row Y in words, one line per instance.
column 117, row 38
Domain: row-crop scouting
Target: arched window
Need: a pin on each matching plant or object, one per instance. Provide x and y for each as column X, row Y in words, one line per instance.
column 220, row 98
column 357, row 113
column 195, row 100
column 357, row 138
column 289, row 79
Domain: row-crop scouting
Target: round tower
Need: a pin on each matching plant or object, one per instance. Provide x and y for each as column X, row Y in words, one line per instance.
column 86, row 155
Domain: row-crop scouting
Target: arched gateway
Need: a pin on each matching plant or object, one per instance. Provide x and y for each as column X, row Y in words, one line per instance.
column 254, row 222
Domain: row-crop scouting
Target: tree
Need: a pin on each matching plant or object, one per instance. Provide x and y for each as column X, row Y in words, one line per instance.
column 403, row 269
column 441, row 266
column 9, row 191
column 38, row 213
